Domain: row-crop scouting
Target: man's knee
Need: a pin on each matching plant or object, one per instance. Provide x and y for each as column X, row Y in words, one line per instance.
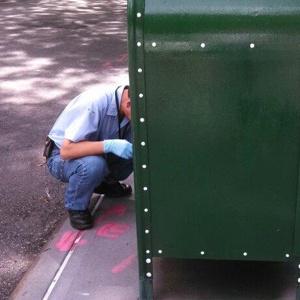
column 121, row 170
column 93, row 168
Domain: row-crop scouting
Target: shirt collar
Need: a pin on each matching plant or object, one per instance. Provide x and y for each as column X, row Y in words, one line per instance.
column 112, row 109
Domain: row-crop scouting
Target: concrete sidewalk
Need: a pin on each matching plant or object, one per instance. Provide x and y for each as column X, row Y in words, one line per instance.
column 101, row 264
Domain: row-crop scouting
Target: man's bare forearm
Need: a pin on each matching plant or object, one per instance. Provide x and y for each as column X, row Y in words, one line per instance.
column 71, row 150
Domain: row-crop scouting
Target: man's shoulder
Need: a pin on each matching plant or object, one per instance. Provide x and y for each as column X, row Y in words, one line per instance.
column 98, row 92
column 97, row 96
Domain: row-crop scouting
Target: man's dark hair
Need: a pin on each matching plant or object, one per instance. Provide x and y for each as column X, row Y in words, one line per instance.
column 127, row 88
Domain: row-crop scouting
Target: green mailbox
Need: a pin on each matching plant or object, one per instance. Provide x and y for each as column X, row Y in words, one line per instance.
column 216, row 110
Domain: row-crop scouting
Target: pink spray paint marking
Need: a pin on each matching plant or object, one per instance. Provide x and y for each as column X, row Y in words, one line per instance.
column 107, row 65
column 116, row 210
column 123, row 265
column 112, row 230
column 82, row 242
column 66, row 241
column 122, row 58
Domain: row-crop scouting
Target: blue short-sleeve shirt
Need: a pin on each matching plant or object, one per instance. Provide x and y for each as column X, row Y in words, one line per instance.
column 91, row 116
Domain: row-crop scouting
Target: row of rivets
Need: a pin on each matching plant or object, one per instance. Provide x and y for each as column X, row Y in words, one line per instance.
column 158, row 251
column 202, row 252
column 246, row 254
column 143, row 144
column 141, row 95
column 202, row 45
column 142, row 120
column 140, row 70
column 299, row 278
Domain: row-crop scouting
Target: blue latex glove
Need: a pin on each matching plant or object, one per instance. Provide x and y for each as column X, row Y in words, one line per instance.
column 120, row 148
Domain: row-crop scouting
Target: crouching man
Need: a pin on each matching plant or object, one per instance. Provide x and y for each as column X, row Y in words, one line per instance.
column 91, row 149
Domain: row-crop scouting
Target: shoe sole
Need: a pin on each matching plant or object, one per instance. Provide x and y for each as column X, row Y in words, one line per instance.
column 117, row 196
column 81, row 227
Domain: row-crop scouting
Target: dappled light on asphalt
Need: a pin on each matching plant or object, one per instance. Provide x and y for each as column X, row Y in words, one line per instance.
column 49, row 52
column 46, row 51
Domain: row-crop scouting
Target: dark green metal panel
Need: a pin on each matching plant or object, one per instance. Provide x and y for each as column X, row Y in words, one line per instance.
column 220, row 109
column 230, row 156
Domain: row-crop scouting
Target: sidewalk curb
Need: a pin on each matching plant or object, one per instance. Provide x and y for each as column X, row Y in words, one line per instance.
column 36, row 281
column 39, row 277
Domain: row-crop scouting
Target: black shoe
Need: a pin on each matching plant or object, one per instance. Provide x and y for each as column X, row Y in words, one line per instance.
column 80, row 219
column 114, row 189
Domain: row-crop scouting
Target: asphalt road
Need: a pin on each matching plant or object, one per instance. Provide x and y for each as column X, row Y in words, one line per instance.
column 49, row 52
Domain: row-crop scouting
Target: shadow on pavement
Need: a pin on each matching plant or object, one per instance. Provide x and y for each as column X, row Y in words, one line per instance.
column 49, row 52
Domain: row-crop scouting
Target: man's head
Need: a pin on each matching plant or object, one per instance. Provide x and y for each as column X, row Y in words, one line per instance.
column 125, row 106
